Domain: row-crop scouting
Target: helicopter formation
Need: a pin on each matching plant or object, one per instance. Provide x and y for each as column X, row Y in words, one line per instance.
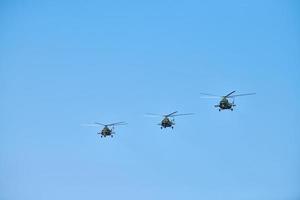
column 168, row 120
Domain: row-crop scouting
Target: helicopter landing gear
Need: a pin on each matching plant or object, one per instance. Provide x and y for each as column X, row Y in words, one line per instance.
column 219, row 109
column 172, row 127
column 231, row 109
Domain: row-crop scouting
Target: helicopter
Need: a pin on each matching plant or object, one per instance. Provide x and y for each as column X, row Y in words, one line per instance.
column 225, row 104
column 106, row 131
column 168, row 120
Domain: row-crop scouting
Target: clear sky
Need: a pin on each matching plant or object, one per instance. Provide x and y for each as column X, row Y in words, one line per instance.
column 64, row 63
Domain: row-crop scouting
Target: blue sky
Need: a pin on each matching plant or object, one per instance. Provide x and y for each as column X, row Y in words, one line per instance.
column 64, row 63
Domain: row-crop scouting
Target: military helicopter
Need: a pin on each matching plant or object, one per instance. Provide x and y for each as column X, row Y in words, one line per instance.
column 106, row 131
column 225, row 104
column 168, row 120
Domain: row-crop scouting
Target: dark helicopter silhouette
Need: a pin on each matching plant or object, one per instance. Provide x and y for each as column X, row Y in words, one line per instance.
column 168, row 120
column 225, row 104
column 106, row 131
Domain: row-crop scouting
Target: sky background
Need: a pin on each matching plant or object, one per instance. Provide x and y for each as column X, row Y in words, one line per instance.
column 64, row 63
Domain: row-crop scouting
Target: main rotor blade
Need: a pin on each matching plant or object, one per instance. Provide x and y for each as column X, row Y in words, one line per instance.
column 92, row 125
column 212, row 95
column 171, row 114
column 100, row 124
column 117, row 124
column 182, row 114
column 153, row 115
column 229, row 94
column 96, row 124
column 238, row 95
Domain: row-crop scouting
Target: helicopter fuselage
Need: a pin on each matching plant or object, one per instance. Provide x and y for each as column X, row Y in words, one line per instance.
column 166, row 122
column 106, row 132
column 225, row 105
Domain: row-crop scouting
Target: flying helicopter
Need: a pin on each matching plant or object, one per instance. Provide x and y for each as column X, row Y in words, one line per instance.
column 106, row 131
column 225, row 104
column 168, row 120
